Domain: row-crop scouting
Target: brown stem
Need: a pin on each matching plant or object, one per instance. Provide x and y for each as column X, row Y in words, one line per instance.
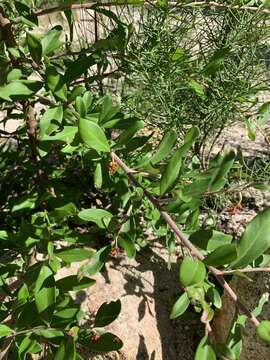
column 6, row 30
column 31, row 128
column 208, row 4
column 217, row 273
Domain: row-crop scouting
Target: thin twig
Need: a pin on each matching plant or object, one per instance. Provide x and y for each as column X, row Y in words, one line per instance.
column 246, row 270
column 175, row 229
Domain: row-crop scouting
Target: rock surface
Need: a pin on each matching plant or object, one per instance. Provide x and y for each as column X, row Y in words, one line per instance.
column 147, row 290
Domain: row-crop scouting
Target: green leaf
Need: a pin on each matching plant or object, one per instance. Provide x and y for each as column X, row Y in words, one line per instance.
column 99, row 216
column 64, row 211
column 17, row 89
column 67, row 135
column 5, row 330
column 87, row 100
column 127, row 135
column 72, row 283
column 80, row 106
column 178, row 54
column 79, row 67
column 96, row 263
column 98, row 176
column 197, row 88
column 223, row 255
column 251, row 130
column 26, row 202
column 165, row 146
column 55, row 83
column 218, row 177
column 210, row 239
column 34, row 47
column 49, row 333
column 255, row 240
column 204, row 350
column 259, row 308
column 107, row 313
column 51, row 115
column 28, row 346
column 50, row 41
column 263, row 331
column 172, row 170
column 45, row 294
column 75, row 255
column 14, row 74
column 180, row 306
column 106, row 342
column 216, row 62
column 66, row 350
column 93, row 136
column 67, row 313
column 191, row 271
column 128, row 244
column 108, row 111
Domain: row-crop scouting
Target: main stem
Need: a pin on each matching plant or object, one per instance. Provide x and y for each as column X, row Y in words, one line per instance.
column 184, row 240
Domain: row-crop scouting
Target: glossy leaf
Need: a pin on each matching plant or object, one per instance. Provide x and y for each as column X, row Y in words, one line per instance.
column 35, row 47
column 67, row 135
column 165, row 146
column 108, row 110
column 45, row 294
column 79, row 67
column 66, row 350
column 5, row 330
column 223, row 255
column 172, row 170
column 99, row 216
column 180, row 306
column 72, row 283
column 218, row 178
column 128, row 244
column 50, row 41
column 96, row 263
column 75, row 254
column 93, row 136
column 205, row 351
column 210, row 239
column 107, row 313
column 98, row 176
column 55, row 83
column 127, row 135
column 49, row 333
column 263, row 331
column 19, row 89
column 255, row 240
column 191, row 272
column 53, row 114
column 197, row 88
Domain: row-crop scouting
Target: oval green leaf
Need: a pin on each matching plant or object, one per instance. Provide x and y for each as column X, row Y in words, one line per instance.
column 93, row 136
column 191, row 272
column 165, row 146
column 255, row 240
column 107, row 313
column 205, row 351
column 180, row 306
column 221, row 256
column 263, row 331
